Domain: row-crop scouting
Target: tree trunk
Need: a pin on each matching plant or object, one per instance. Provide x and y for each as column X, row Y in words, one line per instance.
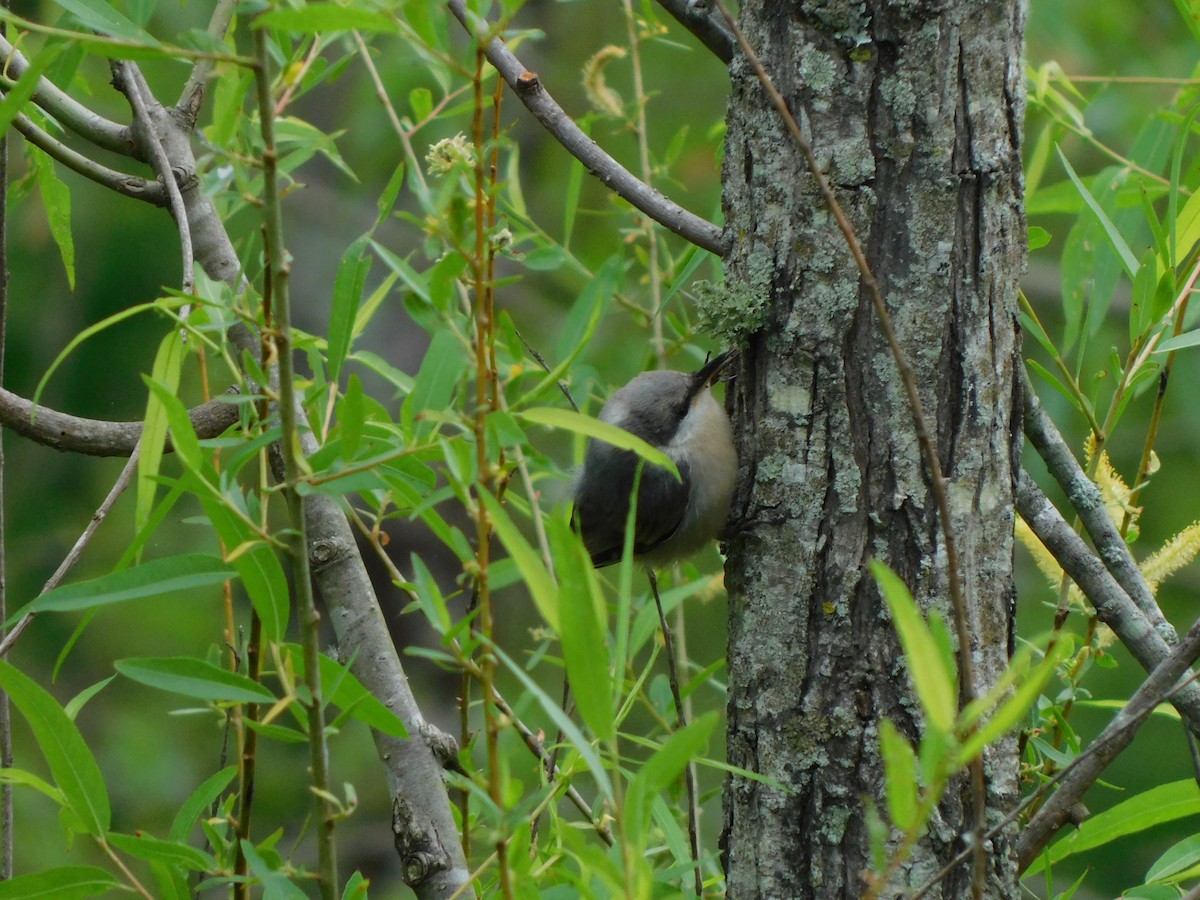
column 914, row 110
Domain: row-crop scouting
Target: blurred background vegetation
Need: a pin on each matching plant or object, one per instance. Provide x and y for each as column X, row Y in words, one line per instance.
column 126, row 253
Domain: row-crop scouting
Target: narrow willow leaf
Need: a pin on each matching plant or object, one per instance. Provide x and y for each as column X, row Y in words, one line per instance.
column 168, row 364
column 191, row 677
column 345, row 691
column 584, row 630
column 199, row 803
column 151, row 849
column 1179, row 858
column 900, row 770
column 347, row 292
column 588, row 426
column 101, row 16
column 62, row 883
column 1164, row 803
column 320, row 17
column 153, row 579
column 56, row 197
column 533, row 571
column 256, row 565
column 936, row 692
column 1128, row 260
column 18, row 95
column 661, row 770
column 71, row 763
column 436, row 378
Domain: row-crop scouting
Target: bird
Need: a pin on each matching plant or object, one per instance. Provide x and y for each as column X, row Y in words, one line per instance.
column 676, row 413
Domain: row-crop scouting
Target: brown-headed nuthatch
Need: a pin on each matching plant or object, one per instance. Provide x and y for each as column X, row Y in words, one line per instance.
column 676, row 413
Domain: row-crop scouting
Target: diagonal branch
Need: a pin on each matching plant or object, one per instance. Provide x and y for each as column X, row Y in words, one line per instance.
column 131, row 186
column 1115, row 737
column 72, row 114
column 1088, row 503
column 528, row 88
column 697, row 16
column 1111, row 602
column 98, row 437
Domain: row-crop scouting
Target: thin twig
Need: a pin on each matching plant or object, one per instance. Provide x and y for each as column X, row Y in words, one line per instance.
column 132, row 84
column 937, row 482
column 562, row 127
column 191, row 98
column 279, row 334
column 76, row 551
column 1105, row 748
column 132, row 186
column 73, row 115
column 693, row 791
column 7, row 818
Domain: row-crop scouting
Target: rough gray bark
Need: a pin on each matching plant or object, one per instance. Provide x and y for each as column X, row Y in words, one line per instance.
column 914, row 110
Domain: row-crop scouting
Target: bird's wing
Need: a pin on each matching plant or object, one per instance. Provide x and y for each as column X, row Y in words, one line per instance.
column 600, row 514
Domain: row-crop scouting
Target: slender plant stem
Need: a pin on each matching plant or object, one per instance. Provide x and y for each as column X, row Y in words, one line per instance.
column 278, row 333
column 7, row 820
column 485, row 393
column 937, row 481
column 248, row 756
column 690, row 780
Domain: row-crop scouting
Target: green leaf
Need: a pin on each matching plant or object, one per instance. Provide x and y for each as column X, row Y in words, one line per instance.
column 345, row 691
column 1184, row 341
column 420, row 101
column 199, row 803
column 435, row 382
column 1164, row 803
column 1128, row 260
column 900, row 769
column 937, row 693
column 100, row 16
column 569, row 420
column 152, row 849
column 62, row 883
column 191, row 677
column 662, row 769
column 256, row 565
column 153, row 579
column 1181, row 857
column 533, row 571
column 168, row 364
column 1037, row 238
column 56, row 197
column 18, row 95
column 71, row 763
column 1012, row 711
column 347, row 292
column 315, row 17
column 584, row 630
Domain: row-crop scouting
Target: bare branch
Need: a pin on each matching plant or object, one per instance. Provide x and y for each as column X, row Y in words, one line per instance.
column 612, row 174
column 1086, row 500
column 697, row 16
column 76, row 551
column 130, row 185
column 1110, row 742
column 191, row 98
column 1112, row 604
column 97, row 437
column 148, row 114
column 74, row 115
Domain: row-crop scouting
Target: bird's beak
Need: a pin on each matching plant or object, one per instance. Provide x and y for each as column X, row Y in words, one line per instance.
column 711, row 370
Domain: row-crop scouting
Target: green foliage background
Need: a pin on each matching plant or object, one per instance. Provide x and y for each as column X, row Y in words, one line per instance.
column 126, row 253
